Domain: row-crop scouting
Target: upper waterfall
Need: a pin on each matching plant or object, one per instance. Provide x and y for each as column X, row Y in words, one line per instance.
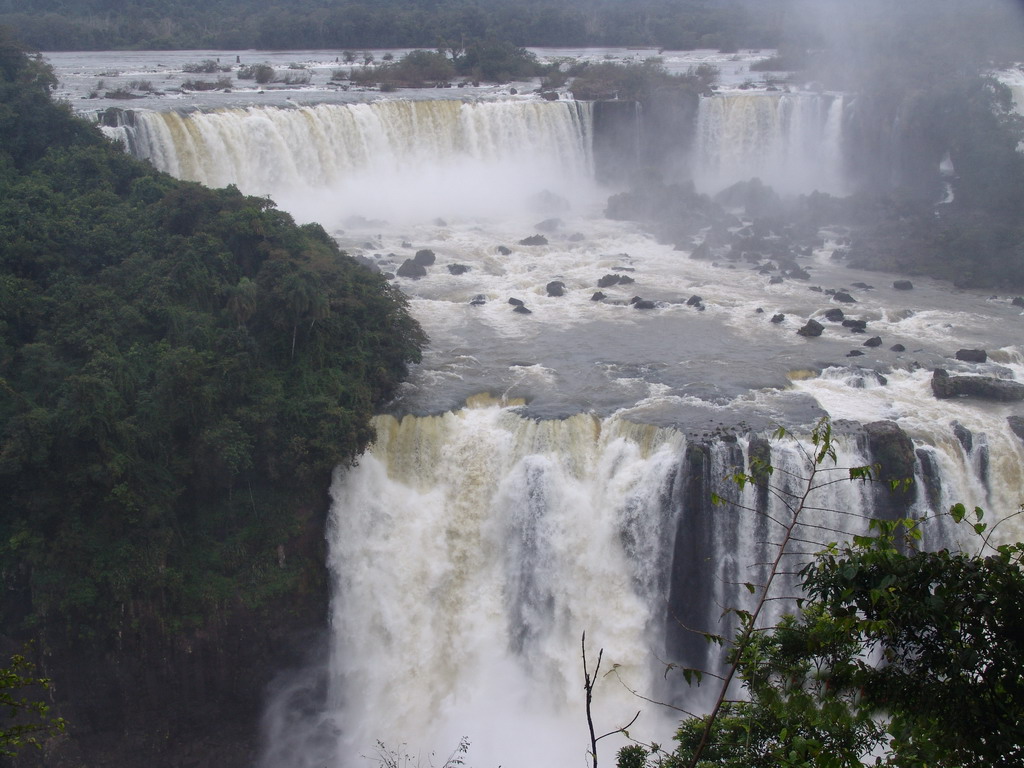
column 791, row 141
column 380, row 158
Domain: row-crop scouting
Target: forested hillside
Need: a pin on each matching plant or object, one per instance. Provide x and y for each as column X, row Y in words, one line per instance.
column 272, row 24
column 180, row 371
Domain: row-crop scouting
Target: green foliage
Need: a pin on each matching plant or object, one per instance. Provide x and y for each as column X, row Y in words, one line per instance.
column 261, row 73
column 802, row 707
column 206, row 67
column 181, row 370
column 898, row 657
column 497, row 61
column 364, row 24
column 637, row 82
column 949, row 635
column 415, row 70
column 24, row 717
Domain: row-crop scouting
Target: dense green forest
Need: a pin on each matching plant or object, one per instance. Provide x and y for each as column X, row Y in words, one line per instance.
column 180, row 370
column 51, row 25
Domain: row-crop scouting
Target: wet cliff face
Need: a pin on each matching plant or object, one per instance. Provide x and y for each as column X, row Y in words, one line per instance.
column 165, row 698
column 650, row 139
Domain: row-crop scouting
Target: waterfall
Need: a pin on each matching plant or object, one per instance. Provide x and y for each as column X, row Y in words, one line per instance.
column 469, row 552
column 791, row 141
column 381, row 159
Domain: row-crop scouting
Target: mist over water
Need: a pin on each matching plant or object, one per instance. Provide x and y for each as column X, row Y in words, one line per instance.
column 529, row 482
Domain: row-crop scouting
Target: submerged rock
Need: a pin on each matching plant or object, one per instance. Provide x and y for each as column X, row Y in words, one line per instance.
column 555, row 288
column 945, row 386
column 812, row 329
column 458, row 269
column 412, row 270
column 972, row 355
column 1016, row 425
column 424, row 257
column 534, row 240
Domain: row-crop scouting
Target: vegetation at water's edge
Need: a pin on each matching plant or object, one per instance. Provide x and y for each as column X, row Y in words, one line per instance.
column 180, row 368
column 268, row 24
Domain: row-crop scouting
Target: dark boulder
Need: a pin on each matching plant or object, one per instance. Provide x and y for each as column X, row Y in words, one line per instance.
column 903, row 285
column 478, row 300
column 857, row 326
column 1016, row 424
column 964, row 435
column 694, row 301
column 812, row 329
column 534, row 240
column 608, row 281
column 598, row 296
column 774, row 280
column 778, row 318
column 834, row 315
column 854, row 353
column 555, row 288
column 522, row 310
column 702, row 252
column 1018, row 301
column 897, row 348
column 458, row 269
column 945, row 386
column 412, row 270
column 844, row 297
column 972, row 355
column 643, row 304
column 516, row 302
column 503, row 250
column 424, row 257
column 874, row 341
column 893, row 451
column 863, row 286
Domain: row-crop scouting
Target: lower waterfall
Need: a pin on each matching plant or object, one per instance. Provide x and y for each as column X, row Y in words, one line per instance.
column 469, row 552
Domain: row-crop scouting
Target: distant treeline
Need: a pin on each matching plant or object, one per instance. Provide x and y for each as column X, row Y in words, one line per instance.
column 51, row 25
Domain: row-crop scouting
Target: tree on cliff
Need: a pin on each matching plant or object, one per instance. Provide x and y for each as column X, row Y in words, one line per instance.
column 24, row 717
column 895, row 657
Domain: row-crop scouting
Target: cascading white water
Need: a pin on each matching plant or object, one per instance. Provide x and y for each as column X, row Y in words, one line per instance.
column 471, row 550
column 386, row 159
column 791, row 141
